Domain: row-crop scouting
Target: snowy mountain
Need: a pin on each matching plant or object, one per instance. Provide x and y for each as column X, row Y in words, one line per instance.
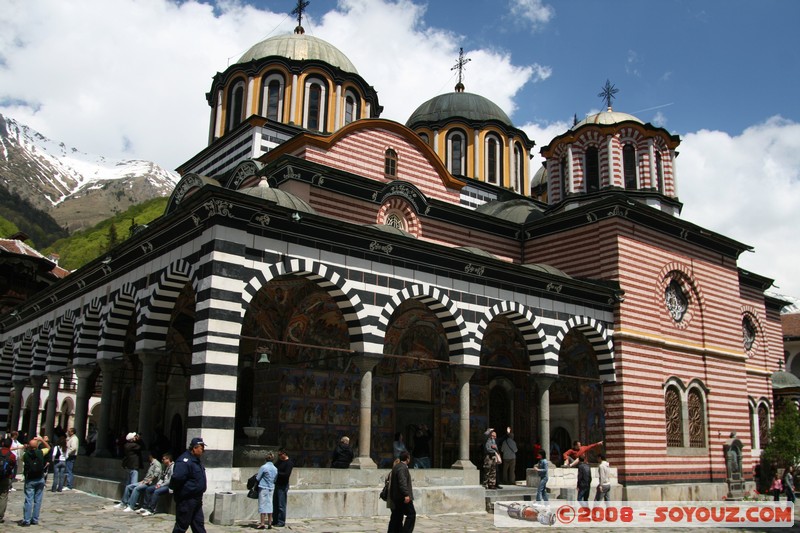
column 75, row 188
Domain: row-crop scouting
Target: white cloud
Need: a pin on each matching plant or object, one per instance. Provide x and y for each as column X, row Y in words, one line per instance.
column 136, row 87
column 532, row 13
column 747, row 187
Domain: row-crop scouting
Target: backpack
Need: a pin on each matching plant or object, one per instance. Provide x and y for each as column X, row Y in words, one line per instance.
column 6, row 466
column 35, row 465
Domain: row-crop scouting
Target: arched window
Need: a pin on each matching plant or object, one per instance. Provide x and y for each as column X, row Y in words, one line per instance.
column 314, row 116
column 518, row 172
column 350, row 107
column 674, row 417
column 425, row 138
column 749, row 332
column 395, row 220
column 235, row 105
column 272, row 97
column 697, row 419
column 629, row 166
column 592, row 169
column 659, row 173
column 456, row 148
column 494, row 160
column 390, row 164
column 562, row 169
column 763, row 424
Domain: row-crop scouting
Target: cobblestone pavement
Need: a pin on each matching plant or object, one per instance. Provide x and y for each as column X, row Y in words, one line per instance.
column 77, row 512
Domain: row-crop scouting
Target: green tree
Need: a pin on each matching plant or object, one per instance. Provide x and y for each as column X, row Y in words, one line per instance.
column 113, row 240
column 783, row 444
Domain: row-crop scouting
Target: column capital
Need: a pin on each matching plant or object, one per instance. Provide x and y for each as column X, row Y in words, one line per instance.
column 365, row 361
column 543, row 381
column 464, row 372
column 84, row 372
column 109, row 365
column 150, row 356
column 37, row 381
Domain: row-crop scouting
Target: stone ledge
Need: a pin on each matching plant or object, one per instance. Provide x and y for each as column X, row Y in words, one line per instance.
column 351, row 502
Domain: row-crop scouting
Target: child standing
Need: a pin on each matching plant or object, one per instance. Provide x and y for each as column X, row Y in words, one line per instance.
column 777, row 487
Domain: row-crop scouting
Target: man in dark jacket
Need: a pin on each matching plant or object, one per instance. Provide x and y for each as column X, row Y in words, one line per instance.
column 401, row 494
column 343, row 454
column 188, row 484
column 132, row 457
column 584, row 480
column 284, row 466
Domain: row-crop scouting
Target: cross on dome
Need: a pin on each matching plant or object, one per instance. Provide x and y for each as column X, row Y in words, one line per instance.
column 460, row 65
column 298, row 10
column 608, row 93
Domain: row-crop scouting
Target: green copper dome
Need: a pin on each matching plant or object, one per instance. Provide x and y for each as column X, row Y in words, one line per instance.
column 299, row 47
column 468, row 106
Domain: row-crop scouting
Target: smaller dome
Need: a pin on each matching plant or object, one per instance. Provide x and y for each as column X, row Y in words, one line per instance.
column 540, row 178
column 541, row 267
column 785, row 380
column 299, row 47
column 468, row 106
column 606, row 118
column 517, row 211
column 477, row 251
column 391, row 229
column 282, row 198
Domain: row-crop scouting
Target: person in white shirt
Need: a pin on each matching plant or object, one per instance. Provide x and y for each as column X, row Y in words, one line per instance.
column 59, row 461
column 604, row 483
column 72, row 454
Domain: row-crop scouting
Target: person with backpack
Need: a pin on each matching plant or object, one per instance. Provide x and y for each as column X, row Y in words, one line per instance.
column 33, row 470
column 8, row 466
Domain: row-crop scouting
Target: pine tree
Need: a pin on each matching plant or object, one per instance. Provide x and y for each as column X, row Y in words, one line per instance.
column 113, row 240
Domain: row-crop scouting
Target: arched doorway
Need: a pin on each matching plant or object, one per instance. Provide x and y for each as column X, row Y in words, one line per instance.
column 415, row 372
column 502, row 393
column 294, row 379
column 576, row 397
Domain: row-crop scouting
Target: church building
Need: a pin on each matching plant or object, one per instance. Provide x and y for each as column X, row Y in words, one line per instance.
column 321, row 271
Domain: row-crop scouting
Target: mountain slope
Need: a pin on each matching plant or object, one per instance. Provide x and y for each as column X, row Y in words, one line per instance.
column 77, row 189
column 83, row 246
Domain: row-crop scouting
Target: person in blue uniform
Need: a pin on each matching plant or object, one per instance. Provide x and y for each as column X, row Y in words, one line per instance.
column 188, row 484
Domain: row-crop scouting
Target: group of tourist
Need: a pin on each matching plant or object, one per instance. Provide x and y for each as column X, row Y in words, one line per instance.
column 503, row 457
column 273, row 488
column 37, row 458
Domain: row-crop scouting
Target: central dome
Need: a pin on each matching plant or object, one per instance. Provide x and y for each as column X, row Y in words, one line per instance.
column 469, row 106
column 299, row 47
column 605, row 118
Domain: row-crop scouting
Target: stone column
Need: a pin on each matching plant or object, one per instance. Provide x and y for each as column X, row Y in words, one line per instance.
column 109, row 367
column 149, row 361
column 17, row 408
column 543, row 382
column 463, row 373
column 365, row 363
column 82, row 396
column 53, row 379
column 36, row 383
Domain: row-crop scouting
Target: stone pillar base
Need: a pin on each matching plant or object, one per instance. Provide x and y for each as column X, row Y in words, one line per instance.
column 461, row 464
column 363, row 463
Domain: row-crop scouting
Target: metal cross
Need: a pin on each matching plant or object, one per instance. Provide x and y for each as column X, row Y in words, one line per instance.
column 301, row 6
column 608, row 93
column 460, row 64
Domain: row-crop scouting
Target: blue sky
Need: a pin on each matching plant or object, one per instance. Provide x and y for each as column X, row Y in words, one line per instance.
column 127, row 79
